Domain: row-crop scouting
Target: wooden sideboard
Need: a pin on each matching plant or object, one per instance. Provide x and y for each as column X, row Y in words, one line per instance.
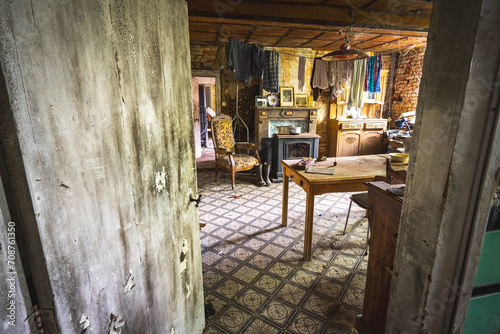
column 384, row 211
column 350, row 137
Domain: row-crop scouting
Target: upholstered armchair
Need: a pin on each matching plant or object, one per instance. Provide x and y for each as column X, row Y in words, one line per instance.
column 225, row 149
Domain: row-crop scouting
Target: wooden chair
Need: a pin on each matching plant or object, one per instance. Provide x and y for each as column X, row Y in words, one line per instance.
column 392, row 176
column 225, row 149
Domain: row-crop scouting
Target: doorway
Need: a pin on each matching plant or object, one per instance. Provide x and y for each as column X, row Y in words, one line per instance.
column 205, row 86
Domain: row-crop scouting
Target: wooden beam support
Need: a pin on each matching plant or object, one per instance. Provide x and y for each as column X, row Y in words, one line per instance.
column 370, row 4
column 418, row 45
column 305, row 13
column 254, row 29
column 335, row 41
column 283, row 37
column 312, row 39
column 370, row 39
column 322, row 28
column 396, row 41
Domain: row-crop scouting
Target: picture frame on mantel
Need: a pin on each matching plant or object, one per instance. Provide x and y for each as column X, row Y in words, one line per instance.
column 286, row 97
column 301, row 100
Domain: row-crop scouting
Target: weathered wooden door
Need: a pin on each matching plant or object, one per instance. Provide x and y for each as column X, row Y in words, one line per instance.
column 96, row 129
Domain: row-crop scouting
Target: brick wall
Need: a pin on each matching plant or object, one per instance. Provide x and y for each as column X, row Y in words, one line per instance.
column 407, row 74
column 204, row 57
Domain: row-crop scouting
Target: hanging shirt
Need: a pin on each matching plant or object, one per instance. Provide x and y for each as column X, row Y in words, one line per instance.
column 302, row 73
column 245, row 60
column 320, row 75
column 373, row 69
column 270, row 79
column 343, row 75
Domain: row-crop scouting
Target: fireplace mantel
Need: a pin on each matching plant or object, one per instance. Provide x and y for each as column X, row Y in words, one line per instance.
column 264, row 115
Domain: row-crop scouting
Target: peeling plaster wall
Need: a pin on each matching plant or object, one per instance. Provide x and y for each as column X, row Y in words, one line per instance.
column 101, row 103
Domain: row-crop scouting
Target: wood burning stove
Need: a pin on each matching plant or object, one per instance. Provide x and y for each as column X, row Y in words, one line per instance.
column 292, row 147
column 274, row 149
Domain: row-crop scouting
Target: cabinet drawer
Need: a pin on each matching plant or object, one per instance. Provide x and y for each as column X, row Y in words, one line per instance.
column 351, row 126
column 380, row 125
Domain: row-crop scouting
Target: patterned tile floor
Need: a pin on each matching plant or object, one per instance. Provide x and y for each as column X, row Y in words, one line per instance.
column 254, row 276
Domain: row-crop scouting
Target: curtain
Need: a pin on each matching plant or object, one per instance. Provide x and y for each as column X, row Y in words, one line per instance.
column 357, row 84
column 203, row 116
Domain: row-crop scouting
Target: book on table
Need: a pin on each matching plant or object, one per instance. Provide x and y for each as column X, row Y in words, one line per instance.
column 320, row 168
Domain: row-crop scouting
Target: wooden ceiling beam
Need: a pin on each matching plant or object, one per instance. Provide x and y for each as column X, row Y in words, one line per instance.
column 283, row 37
column 312, row 39
column 401, row 48
column 370, row 4
column 304, row 13
column 254, row 29
column 396, row 41
column 335, row 41
column 264, row 25
column 367, row 40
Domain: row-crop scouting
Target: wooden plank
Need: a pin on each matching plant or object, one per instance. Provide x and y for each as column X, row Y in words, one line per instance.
column 292, row 42
column 306, row 13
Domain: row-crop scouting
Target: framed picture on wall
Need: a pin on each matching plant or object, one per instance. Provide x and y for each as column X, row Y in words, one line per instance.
column 301, row 100
column 286, row 96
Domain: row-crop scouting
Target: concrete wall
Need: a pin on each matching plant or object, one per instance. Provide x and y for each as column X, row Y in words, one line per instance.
column 100, row 102
column 453, row 170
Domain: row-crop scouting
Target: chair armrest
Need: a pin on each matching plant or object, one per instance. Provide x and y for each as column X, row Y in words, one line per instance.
column 222, row 151
column 245, row 146
column 248, row 146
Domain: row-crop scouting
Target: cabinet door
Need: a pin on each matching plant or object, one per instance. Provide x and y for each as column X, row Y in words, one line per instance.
column 349, row 143
column 371, row 142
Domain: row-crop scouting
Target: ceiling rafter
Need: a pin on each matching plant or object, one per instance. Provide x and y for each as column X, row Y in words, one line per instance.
column 254, row 29
column 335, row 41
column 370, row 4
column 312, row 39
column 324, row 4
column 314, row 24
column 367, row 40
column 396, row 41
column 282, row 38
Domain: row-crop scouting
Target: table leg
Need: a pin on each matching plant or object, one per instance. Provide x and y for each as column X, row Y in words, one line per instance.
column 309, row 224
column 284, row 203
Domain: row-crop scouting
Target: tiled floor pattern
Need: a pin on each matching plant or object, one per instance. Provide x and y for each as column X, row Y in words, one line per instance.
column 254, row 276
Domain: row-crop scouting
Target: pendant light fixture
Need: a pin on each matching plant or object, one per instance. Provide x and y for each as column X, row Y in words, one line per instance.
column 345, row 52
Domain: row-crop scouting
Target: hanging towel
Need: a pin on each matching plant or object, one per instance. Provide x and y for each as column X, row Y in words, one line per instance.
column 270, row 80
column 340, row 75
column 245, row 60
column 373, row 69
column 320, row 75
column 357, row 84
column 332, row 71
column 302, row 73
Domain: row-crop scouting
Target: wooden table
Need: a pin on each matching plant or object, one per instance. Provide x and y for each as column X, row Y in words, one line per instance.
column 349, row 176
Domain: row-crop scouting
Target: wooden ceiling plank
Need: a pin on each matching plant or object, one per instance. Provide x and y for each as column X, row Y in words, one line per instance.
column 361, row 42
column 307, row 13
column 329, row 28
column 396, row 41
column 403, row 48
column 370, row 4
column 283, row 37
column 312, row 39
column 336, row 41
column 251, row 34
